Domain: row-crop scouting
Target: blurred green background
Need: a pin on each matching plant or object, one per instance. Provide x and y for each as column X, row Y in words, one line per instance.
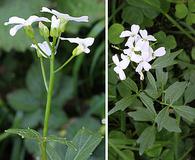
column 79, row 89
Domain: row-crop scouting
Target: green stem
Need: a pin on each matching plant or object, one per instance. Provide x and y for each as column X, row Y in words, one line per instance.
column 49, row 99
column 123, row 121
column 65, row 63
column 43, row 74
column 176, row 139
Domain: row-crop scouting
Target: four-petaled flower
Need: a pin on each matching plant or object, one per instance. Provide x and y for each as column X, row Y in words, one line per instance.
column 83, row 44
column 65, row 17
column 20, row 22
column 121, row 65
column 138, row 51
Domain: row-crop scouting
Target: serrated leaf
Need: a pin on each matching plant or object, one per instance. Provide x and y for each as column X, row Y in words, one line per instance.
column 25, row 133
column 186, row 112
column 142, row 114
column 85, row 142
column 61, row 140
column 122, row 104
column 22, row 100
column 174, row 92
column 52, row 154
column 148, row 102
column 166, row 60
column 146, row 139
column 114, row 33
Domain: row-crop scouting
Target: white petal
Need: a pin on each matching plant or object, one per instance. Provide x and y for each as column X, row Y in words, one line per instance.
column 45, row 47
column 135, row 28
column 127, row 52
column 139, row 44
column 151, row 38
column 159, row 52
column 120, row 72
column 125, row 34
column 124, row 64
column 55, row 22
column 136, row 58
column 146, row 66
column 85, row 43
column 139, row 68
column 145, row 46
column 141, row 76
column 33, row 19
column 15, row 29
column 15, row 20
column 129, row 42
column 115, row 59
column 65, row 16
column 33, row 46
column 144, row 34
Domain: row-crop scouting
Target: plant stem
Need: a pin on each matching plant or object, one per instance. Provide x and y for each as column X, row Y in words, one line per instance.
column 43, row 73
column 176, row 139
column 123, row 121
column 49, row 99
column 62, row 66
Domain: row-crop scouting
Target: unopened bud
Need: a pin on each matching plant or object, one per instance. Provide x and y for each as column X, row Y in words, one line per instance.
column 29, row 31
column 78, row 50
column 44, row 31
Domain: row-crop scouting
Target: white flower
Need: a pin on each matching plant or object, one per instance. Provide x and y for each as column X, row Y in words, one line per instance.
column 159, row 52
column 20, row 22
column 44, row 47
column 143, row 42
column 55, row 22
column 83, row 44
column 133, row 33
column 121, row 65
column 66, row 17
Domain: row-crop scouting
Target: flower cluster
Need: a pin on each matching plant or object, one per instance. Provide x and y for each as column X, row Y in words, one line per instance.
column 139, row 50
column 58, row 24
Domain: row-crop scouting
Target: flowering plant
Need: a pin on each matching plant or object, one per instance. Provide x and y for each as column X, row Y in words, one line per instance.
column 47, row 50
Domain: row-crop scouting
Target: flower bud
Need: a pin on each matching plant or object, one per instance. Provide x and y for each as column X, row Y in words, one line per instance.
column 62, row 26
column 44, row 31
column 78, row 50
column 29, row 31
column 54, row 32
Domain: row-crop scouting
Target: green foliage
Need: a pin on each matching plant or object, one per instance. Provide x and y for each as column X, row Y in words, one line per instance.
column 161, row 117
column 114, row 33
column 85, row 141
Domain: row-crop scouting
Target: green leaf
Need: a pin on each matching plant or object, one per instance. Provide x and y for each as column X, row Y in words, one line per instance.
column 61, row 140
column 148, row 102
column 122, row 104
column 130, row 84
column 174, row 92
column 132, row 15
column 146, row 139
column 22, row 9
column 163, row 120
column 162, row 77
column 142, row 114
column 51, row 152
column 181, row 10
column 154, row 151
column 168, row 155
column 22, row 100
column 193, row 53
column 85, row 142
column 151, row 80
column 114, row 33
column 123, row 89
column 166, row 60
column 25, row 133
column 189, row 94
column 186, row 112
